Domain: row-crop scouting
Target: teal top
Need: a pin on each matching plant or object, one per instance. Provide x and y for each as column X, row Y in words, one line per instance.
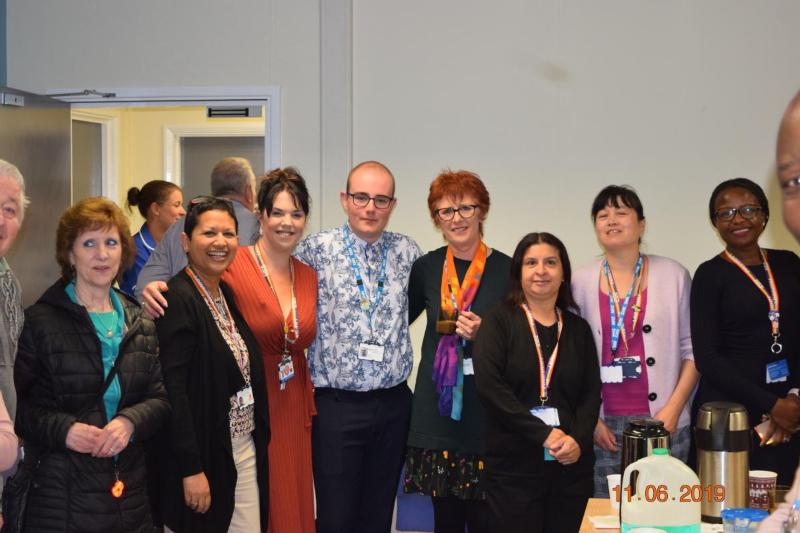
column 103, row 322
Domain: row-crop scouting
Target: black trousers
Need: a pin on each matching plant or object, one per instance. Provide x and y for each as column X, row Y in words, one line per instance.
column 451, row 514
column 552, row 501
column 358, row 445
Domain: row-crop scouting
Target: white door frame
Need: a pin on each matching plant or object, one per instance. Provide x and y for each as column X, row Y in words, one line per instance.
column 109, row 148
column 267, row 96
column 173, row 135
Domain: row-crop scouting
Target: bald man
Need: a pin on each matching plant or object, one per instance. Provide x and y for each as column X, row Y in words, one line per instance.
column 788, row 162
column 787, row 155
column 361, row 358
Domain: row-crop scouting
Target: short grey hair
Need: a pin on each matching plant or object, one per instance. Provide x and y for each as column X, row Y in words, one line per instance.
column 232, row 175
column 9, row 170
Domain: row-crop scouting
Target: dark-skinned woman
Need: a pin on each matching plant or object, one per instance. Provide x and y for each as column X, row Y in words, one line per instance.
column 745, row 306
column 213, row 463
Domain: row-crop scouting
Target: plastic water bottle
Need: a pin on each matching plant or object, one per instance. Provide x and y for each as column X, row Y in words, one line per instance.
column 656, row 500
column 792, row 524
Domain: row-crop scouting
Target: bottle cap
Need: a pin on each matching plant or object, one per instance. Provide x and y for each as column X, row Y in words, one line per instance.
column 660, row 451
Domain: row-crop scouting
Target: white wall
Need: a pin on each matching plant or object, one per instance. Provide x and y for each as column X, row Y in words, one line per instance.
column 551, row 100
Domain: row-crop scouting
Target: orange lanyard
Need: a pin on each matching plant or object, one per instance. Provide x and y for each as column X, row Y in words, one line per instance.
column 545, row 374
column 773, row 299
column 287, row 340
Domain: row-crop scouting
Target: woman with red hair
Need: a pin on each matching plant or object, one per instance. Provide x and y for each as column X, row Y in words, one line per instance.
column 454, row 285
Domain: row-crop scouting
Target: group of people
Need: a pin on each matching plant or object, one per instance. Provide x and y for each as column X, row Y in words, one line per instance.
column 243, row 379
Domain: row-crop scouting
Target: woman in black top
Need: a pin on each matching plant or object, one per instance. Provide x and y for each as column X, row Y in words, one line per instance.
column 537, row 374
column 743, row 355
column 212, row 460
column 88, row 431
column 445, row 443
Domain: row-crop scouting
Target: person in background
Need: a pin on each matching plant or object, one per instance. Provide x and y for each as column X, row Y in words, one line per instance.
column 233, row 179
column 161, row 204
column 745, row 304
column 212, row 458
column 88, row 379
column 537, row 375
column 361, row 357
column 455, row 284
column 277, row 295
column 638, row 307
column 12, row 205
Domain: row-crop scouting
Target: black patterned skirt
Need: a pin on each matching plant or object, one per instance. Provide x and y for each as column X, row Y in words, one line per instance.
column 444, row 473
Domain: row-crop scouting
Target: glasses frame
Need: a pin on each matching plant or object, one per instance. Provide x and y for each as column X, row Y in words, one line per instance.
column 373, row 199
column 755, row 211
column 473, row 207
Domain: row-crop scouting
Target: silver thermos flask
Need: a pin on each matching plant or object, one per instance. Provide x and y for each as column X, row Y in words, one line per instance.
column 640, row 438
column 722, row 435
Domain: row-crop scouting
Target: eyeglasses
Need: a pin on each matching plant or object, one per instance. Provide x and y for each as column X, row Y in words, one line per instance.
column 791, row 187
column 747, row 212
column 447, row 213
column 361, row 199
column 201, row 200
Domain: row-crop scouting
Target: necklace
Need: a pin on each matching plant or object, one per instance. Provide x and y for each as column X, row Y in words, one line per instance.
column 109, row 330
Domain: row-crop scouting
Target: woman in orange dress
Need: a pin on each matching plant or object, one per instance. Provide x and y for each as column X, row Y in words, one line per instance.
column 277, row 294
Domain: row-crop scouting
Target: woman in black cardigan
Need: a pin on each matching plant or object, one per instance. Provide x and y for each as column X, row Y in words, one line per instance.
column 213, row 458
column 539, row 457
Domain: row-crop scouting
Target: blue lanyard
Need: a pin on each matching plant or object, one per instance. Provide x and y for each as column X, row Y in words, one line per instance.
column 617, row 322
column 367, row 306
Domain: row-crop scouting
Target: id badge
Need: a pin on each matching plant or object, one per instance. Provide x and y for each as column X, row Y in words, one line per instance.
column 244, row 397
column 631, row 367
column 611, row 374
column 548, row 415
column 285, row 370
column 370, row 352
column 777, row 371
column 468, row 369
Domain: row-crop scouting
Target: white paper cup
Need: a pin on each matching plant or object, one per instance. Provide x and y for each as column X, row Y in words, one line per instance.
column 613, row 481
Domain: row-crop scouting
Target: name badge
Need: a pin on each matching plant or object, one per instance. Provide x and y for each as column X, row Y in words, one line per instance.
column 285, row 369
column 244, row 397
column 547, row 414
column 777, row 371
column 468, row 369
column 621, row 369
column 611, row 374
column 370, row 352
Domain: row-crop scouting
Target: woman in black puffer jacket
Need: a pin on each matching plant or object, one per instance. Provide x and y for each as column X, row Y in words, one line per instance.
column 72, row 338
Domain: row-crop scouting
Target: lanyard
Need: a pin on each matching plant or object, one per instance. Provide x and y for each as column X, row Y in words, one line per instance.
column 367, row 306
column 773, row 299
column 545, row 374
column 222, row 317
column 617, row 314
column 455, row 296
column 287, row 340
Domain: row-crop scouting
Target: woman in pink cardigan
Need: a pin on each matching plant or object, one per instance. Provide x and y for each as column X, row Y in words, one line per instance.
column 638, row 308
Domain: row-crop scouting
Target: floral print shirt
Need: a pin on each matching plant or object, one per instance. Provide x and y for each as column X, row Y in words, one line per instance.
column 342, row 325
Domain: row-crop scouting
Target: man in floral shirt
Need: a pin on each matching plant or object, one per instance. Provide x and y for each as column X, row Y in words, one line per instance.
column 361, row 357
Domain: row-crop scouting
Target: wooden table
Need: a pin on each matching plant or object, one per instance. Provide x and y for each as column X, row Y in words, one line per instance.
column 596, row 507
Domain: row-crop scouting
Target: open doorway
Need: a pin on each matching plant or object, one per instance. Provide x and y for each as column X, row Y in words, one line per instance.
column 167, row 133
